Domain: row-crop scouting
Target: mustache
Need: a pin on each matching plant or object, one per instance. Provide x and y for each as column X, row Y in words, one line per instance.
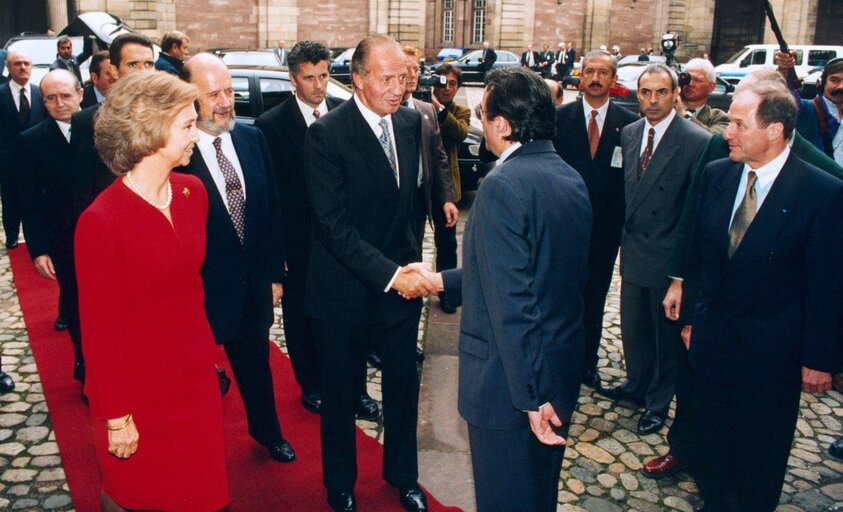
column 837, row 92
column 226, row 110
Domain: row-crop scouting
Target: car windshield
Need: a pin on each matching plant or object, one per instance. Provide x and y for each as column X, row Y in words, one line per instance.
column 344, row 56
column 42, row 51
column 251, row 58
column 632, row 60
column 470, row 56
column 734, row 58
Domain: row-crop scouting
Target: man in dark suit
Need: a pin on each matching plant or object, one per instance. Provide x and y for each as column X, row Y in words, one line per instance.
column 588, row 138
column 531, row 59
column 362, row 177
column 659, row 153
column 762, row 301
column 244, row 259
column 46, row 186
column 282, row 52
column 284, row 127
column 175, row 49
column 559, row 62
column 488, row 58
column 20, row 108
column 570, row 58
column 65, row 58
column 128, row 53
column 680, row 437
column 525, row 258
column 101, row 80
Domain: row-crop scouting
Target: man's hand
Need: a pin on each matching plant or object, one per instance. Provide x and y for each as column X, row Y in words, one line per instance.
column 540, row 424
column 434, row 278
column 44, row 266
column 410, row 284
column 814, row 381
column 452, row 214
column 686, row 336
column 784, row 60
column 672, row 302
column 277, row 293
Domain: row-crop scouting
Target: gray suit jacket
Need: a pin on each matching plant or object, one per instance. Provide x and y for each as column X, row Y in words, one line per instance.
column 712, row 119
column 654, row 203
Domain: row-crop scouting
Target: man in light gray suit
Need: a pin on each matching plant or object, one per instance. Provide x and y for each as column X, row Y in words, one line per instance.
column 659, row 152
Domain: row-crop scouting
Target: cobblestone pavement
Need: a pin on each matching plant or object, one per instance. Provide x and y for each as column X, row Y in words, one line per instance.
column 601, row 472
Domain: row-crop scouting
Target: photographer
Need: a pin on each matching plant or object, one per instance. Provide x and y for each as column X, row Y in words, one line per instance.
column 693, row 105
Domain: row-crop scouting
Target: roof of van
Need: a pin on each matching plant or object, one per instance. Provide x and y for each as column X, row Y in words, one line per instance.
column 797, row 46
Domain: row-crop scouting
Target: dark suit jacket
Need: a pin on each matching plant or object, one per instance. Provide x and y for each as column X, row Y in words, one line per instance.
column 89, row 96
column 716, row 149
column 654, row 203
column 284, row 129
column 92, row 174
column 169, row 64
column 362, row 220
column 87, row 51
column 774, row 306
column 46, row 185
column 537, row 59
column 605, row 183
column 521, row 287
column 488, row 58
column 436, row 171
column 231, row 270
column 11, row 127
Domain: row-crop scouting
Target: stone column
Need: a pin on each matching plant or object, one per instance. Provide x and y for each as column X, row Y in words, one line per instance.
column 596, row 29
column 378, row 17
column 56, row 14
column 277, row 20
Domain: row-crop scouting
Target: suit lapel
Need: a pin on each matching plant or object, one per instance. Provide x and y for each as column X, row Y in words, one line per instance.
column 249, row 163
column 370, row 147
column 610, row 132
column 215, row 202
column 668, row 145
column 408, row 159
column 9, row 104
column 578, row 132
column 725, row 190
column 631, row 155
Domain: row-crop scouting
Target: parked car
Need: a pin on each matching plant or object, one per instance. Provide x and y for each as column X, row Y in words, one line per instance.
column 341, row 66
column 470, row 64
column 41, row 50
column 572, row 77
column 625, row 91
column 449, row 54
column 259, row 88
column 248, row 57
column 759, row 56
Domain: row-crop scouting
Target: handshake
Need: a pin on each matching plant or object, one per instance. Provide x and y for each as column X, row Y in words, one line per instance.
column 417, row 280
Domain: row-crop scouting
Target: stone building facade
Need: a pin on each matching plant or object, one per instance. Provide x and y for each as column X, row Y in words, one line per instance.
column 715, row 26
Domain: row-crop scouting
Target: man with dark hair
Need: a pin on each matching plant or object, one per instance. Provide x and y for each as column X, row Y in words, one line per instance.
column 525, row 258
column 175, row 49
column 362, row 178
column 243, row 272
column 454, row 121
column 588, row 138
column 659, row 153
column 762, row 301
column 101, row 80
column 829, row 107
column 65, row 58
column 284, row 127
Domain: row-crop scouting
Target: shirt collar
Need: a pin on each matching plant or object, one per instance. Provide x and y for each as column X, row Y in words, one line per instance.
column 206, row 140
column 832, row 108
column 768, row 172
column 601, row 111
column 65, row 129
column 507, row 152
column 307, row 110
column 662, row 125
column 371, row 118
column 16, row 88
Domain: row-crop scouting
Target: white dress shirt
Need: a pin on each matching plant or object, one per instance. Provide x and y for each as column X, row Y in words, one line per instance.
column 372, row 120
column 601, row 115
column 766, row 175
column 660, row 127
column 307, row 111
column 65, row 129
column 209, row 154
column 16, row 93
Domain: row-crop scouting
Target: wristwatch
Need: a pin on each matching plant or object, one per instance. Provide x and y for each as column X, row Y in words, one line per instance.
column 441, row 108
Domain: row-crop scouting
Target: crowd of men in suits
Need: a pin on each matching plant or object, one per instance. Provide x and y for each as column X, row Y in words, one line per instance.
column 331, row 199
column 550, row 63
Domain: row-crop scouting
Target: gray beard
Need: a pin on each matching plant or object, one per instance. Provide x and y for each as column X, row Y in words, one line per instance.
column 214, row 129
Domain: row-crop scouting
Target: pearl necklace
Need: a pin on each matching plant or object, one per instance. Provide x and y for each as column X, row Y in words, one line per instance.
column 134, row 187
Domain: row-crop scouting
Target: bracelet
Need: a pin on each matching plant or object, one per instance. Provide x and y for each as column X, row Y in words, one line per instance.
column 121, row 427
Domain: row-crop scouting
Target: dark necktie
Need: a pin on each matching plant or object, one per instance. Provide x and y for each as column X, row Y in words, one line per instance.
column 644, row 161
column 23, row 113
column 233, row 190
column 593, row 134
column 744, row 214
column 316, row 114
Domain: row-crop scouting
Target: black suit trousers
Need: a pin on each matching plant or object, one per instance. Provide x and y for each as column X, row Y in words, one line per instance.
column 743, row 434
column 342, row 350
column 68, row 295
column 601, row 265
column 248, row 353
column 12, row 209
column 513, row 471
column 680, row 437
column 445, row 239
column 298, row 332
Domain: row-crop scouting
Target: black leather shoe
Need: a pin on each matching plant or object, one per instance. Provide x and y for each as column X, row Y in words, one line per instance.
column 447, row 307
column 375, row 359
column 650, row 422
column 618, row 393
column 367, row 409
column 836, row 449
column 12, row 244
column 592, row 380
column 311, row 401
column 223, row 380
column 281, row 451
column 413, row 499
column 79, row 371
column 6, row 383
column 60, row 324
column 342, row 501
column 419, row 355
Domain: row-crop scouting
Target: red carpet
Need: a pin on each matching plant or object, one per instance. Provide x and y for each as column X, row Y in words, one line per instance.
column 256, row 482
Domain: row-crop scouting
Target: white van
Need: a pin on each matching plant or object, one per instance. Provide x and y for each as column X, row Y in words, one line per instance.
column 757, row 56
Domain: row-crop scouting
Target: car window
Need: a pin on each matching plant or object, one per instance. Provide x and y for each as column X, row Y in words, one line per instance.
column 242, row 98
column 506, row 57
column 818, row 58
column 274, row 91
column 251, row 58
column 344, row 56
column 759, row 57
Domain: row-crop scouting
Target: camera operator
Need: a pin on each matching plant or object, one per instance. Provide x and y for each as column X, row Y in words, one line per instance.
column 700, row 81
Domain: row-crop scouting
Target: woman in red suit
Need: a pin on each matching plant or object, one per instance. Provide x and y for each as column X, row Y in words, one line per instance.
column 155, row 403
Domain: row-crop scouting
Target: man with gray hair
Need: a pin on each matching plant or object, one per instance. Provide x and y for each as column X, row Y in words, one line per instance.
column 174, row 51
column 764, row 290
column 694, row 105
column 659, row 153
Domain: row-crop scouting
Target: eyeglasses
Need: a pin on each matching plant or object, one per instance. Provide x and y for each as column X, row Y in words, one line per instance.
column 478, row 111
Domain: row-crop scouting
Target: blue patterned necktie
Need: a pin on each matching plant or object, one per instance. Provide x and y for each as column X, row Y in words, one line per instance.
column 386, row 143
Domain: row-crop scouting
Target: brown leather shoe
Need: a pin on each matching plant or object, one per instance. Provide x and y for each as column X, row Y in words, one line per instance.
column 661, row 467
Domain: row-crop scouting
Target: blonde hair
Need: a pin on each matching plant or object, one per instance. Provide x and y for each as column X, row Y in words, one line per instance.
column 134, row 120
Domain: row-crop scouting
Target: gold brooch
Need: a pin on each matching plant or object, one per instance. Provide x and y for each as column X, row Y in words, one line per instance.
column 186, row 192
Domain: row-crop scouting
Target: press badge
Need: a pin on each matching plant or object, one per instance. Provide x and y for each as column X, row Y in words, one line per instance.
column 617, row 158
